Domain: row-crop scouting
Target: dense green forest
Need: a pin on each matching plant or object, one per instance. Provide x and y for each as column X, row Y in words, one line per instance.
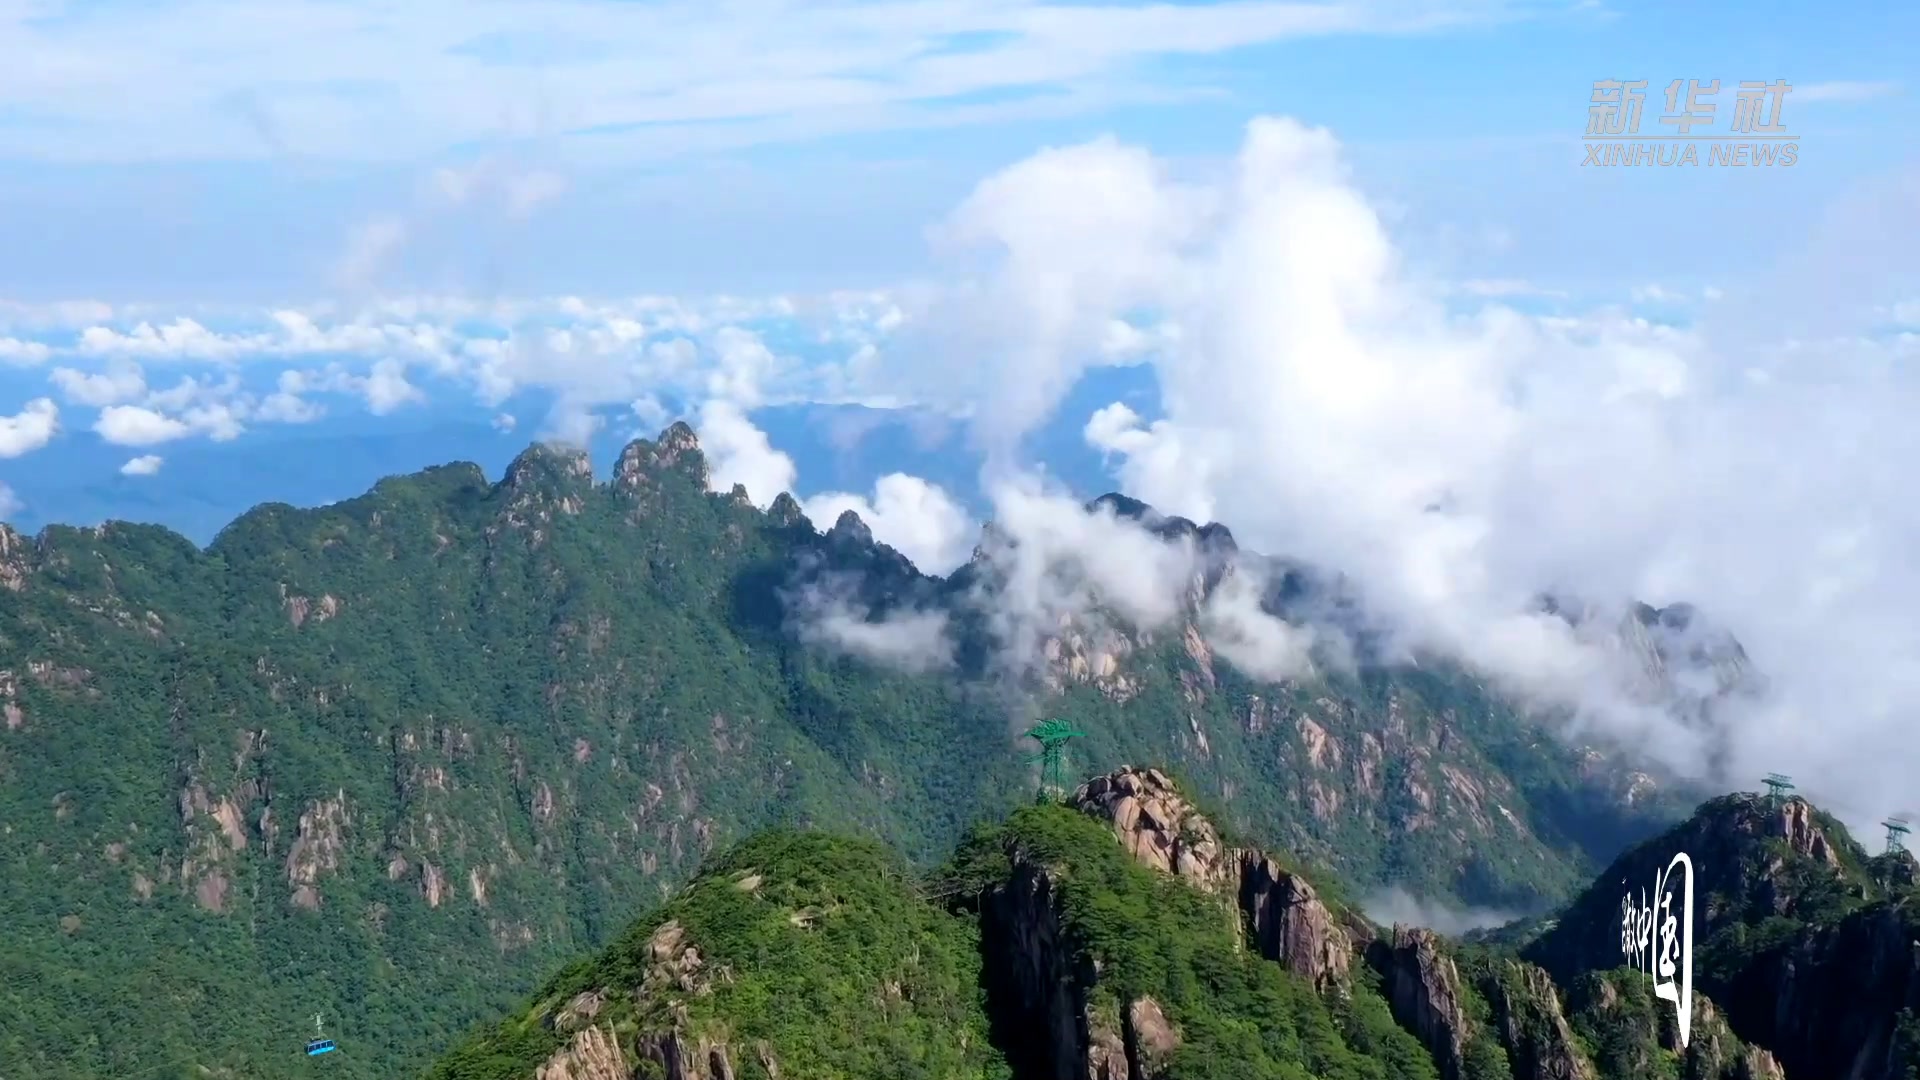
column 394, row 759
column 1123, row 938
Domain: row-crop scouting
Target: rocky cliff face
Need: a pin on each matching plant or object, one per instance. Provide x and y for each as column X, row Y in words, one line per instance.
column 1288, row 921
column 1034, row 974
column 594, row 1054
column 1491, row 1014
column 1044, row 978
column 1290, row 924
column 1634, row 1034
column 1531, row 1024
column 1424, row 988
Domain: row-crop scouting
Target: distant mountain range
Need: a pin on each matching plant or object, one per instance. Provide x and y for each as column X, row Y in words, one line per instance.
column 396, row 759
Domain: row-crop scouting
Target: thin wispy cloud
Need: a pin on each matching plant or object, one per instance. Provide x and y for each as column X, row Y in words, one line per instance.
column 365, row 81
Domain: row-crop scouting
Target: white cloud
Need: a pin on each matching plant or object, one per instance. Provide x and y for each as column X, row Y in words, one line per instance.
column 528, row 190
column 1074, row 259
column 745, row 365
column 917, row 518
column 144, row 465
column 56, row 315
column 181, row 337
column 1328, row 405
column 1843, row 91
column 592, row 356
column 387, row 387
column 504, row 422
column 29, row 429
column 122, row 382
column 1051, row 561
column 569, row 424
column 135, row 425
column 10, row 503
column 826, row 613
column 520, row 191
column 1656, row 294
column 282, row 407
column 739, row 453
column 649, row 413
column 1257, row 643
column 16, row 351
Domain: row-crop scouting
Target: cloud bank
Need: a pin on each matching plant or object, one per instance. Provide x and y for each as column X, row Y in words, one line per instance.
column 1327, row 401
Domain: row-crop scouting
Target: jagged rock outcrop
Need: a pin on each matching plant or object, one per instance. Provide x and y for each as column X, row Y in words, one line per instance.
column 15, row 559
column 648, row 472
column 786, row 510
column 1150, row 1039
column 1713, row 1050
column 1423, row 988
column 677, row 1056
column 594, row 1054
column 1139, row 1049
column 1157, row 825
column 1288, row 921
column 849, row 529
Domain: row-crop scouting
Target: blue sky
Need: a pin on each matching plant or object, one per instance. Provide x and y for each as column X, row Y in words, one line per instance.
column 218, row 150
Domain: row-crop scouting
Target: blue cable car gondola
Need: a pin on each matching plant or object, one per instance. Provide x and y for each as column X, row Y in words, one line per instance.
column 319, row 1044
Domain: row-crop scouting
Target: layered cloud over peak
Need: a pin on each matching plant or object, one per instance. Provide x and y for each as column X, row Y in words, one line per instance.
column 1335, row 406
column 1456, row 449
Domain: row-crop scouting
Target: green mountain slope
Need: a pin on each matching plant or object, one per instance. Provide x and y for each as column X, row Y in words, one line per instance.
column 890, row 984
column 1078, row 959
column 389, row 759
column 1116, row 935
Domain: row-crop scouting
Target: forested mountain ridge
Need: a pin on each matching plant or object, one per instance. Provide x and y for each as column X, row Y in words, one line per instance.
column 391, row 759
column 1117, row 934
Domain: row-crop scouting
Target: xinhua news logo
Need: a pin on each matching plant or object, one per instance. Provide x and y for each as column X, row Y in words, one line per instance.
column 1659, row 941
column 1756, row 134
